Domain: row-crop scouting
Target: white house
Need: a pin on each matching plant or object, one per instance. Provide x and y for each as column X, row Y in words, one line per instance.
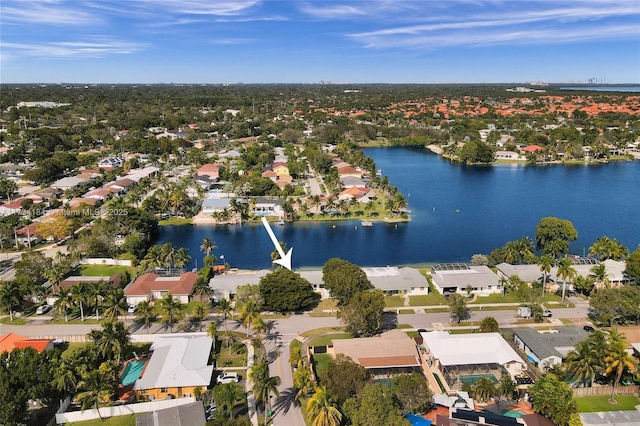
column 548, row 347
column 460, row 277
column 151, row 286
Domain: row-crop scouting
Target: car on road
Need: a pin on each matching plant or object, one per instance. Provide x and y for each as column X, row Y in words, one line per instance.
column 588, row 329
column 43, row 309
column 132, row 309
column 547, row 313
column 228, row 377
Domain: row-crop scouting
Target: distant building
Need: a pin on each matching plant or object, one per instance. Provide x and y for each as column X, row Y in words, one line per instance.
column 458, row 277
column 548, row 347
column 111, row 162
column 182, row 415
column 150, row 286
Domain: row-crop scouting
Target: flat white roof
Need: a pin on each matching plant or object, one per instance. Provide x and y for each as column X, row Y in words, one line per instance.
column 178, row 361
column 465, row 349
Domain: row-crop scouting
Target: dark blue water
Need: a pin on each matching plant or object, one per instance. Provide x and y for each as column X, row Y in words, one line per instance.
column 457, row 211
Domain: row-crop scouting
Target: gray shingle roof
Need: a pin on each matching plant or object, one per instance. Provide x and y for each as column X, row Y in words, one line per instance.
column 557, row 342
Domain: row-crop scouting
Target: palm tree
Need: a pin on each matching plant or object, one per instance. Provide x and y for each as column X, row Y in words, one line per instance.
column 171, row 310
column 207, row 246
column 201, row 289
column 546, row 262
column 212, row 331
column 484, row 389
column 9, row 297
column 566, row 272
column 618, row 361
column 116, row 304
column 249, row 313
column 200, row 311
column 145, row 313
column 259, row 325
column 54, row 273
column 264, row 385
column 79, row 293
column 321, row 411
column 96, row 293
column 587, row 359
column 111, row 340
column 507, row 386
column 181, row 258
column 303, row 381
column 96, row 390
column 65, row 378
column 64, row 302
column 600, row 277
column 168, row 252
column 227, row 395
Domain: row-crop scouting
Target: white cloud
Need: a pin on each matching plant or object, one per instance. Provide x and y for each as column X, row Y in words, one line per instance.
column 70, row 49
column 46, row 12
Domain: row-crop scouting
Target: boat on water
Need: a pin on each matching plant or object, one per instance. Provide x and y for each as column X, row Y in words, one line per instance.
column 367, row 223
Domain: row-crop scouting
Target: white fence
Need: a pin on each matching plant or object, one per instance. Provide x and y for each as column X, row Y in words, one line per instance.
column 105, row 261
column 122, row 410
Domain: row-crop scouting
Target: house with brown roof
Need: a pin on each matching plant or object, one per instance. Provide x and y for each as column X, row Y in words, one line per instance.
column 349, row 171
column 11, row 341
column 280, row 168
column 69, row 282
column 150, row 286
column 392, row 352
column 211, row 170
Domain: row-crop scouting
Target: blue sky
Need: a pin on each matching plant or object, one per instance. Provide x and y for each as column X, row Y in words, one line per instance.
column 273, row 41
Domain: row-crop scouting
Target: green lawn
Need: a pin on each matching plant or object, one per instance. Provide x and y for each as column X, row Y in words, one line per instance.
column 129, row 420
column 321, row 364
column 402, row 326
column 103, row 270
column 589, row 404
column 327, row 339
column 175, row 221
column 325, row 304
column 496, row 298
column 393, row 301
column 432, row 299
column 406, row 311
column 16, row 321
column 322, row 330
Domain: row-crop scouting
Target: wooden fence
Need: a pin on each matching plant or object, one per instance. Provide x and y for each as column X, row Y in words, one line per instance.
column 605, row 390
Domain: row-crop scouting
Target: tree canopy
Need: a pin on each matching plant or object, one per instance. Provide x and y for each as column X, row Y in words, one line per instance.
column 343, row 279
column 553, row 236
column 553, row 398
column 344, row 378
column 377, row 405
column 285, row 291
column 362, row 315
column 633, row 265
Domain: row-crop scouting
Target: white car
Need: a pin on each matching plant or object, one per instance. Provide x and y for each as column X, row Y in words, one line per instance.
column 132, row 309
column 547, row 313
column 43, row 309
column 227, row 378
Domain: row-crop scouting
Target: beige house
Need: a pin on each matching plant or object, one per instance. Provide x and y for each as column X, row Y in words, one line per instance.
column 148, row 287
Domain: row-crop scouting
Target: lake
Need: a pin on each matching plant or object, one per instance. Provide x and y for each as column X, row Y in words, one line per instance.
column 457, row 211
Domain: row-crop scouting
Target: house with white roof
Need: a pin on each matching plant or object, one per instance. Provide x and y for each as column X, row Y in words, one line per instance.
column 178, row 365
column 465, row 358
column 451, row 278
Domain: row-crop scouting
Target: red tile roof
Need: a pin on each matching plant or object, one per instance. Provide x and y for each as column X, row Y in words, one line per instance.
column 11, row 341
column 146, row 283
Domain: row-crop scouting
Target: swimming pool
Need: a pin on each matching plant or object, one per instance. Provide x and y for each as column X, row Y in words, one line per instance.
column 473, row 378
column 417, row 420
column 132, row 372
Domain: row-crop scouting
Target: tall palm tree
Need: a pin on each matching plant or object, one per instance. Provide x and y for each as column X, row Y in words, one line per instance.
column 249, row 313
column 546, row 262
column 171, row 310
column 111, row 340
column 79, row 292
column 259, row 325
column 145, row 313
column 212, row 331
column 66, row 378
column 95, row 390
column 600, row 277
column 54, row 273
column 96, row 293
column 207, row 246
column 227, row 395
column 181, row 258
column 201, row 289
column 321, row 411
column 64, row 302
column 303, row 381
column 9, row 297
column 200, row 312
column 168, row 252
column 264, row 385
column 587, row 360
column 566, row 272
column 115, row 303
column 618, row 361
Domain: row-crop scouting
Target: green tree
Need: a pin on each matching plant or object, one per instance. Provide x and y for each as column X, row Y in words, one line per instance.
column 506, row 387
column 599, row 276
column 200, row 312
column 374, row 405
column 63, row 302
column 362, row 315
column 344, row 378
column 606, row 248
column 343, row 279
column 96, row 389
column 171, row 310
column 566, row 272
column 249, row 313
column 226, row 395
column 553, row 398
column 586, row 360
column 489, row 325
column 633, row 265
column 115, row 303
column 546, row 262
column 285, row 291
column 553, row 236
column 66, row 378
column 412, row 392
column 618, row 361
column 458, row 307
column 80, row 293
column 484, row 389
column 263, row 385
column 145, row 314
column 10, row 297
column 111, row 340
column 303, row 381
column 320, row 410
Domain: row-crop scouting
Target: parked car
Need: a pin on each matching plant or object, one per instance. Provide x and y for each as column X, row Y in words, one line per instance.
column 132, row 309
column 43, row 309
column 229, row 377
column 546, row 313
column 588, row 329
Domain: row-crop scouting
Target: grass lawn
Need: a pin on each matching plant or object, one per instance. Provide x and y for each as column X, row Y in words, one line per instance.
column 322, row 314
column 412, row 334
column 103, row 270
column 394, row 301
column 402, row 326
column 175, row 221
column 326, row 340
column 432, row 299
column 589, row 404
column 129, row 420
column 321, row 364
column 318, row 331
column 325, row 304
column 406, row 311
column 496, row 298
column 16, row 321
